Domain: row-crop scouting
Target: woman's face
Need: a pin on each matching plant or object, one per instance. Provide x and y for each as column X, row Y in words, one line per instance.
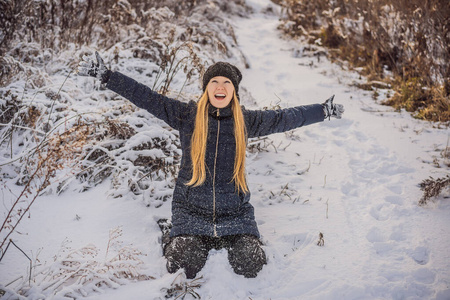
column 220, row 91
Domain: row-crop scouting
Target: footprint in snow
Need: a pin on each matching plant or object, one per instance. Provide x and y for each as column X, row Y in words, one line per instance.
column 420, row 255
column 379, row 241
column 376, row 235
column 396, row 189
column 381, row 212
column 424, row 275
column 396, row 200
column 398, row 234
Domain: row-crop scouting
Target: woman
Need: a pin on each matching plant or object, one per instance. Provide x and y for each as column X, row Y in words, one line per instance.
column 210, row 207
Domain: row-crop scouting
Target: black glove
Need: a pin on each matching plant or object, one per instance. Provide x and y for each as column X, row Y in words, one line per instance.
column 332, row 110
column 97, row 69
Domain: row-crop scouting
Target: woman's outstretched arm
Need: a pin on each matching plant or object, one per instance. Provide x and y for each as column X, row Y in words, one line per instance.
column 265, row 122
column 167, row 109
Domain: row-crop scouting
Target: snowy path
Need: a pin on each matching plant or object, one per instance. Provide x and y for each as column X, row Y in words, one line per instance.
column 361, row 187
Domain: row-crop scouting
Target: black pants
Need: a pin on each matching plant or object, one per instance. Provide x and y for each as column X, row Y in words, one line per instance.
column 190, row 252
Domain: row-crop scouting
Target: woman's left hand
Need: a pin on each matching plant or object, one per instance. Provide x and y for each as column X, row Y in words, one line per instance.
column 331, row 109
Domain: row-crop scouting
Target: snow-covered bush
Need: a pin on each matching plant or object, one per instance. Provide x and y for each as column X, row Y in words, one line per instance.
column 60, row 132
column 80, row 272
column 433, row 188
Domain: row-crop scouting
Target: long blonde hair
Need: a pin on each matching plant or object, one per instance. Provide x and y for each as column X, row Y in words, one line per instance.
column 199, row 139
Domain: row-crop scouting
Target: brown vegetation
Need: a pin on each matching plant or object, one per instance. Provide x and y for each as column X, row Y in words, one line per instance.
column 433, row 188
column 404, row 43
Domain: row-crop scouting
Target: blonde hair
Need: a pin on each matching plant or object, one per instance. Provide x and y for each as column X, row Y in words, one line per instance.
column 199, row 139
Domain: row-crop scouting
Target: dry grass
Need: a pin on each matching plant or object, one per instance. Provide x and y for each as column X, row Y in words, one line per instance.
column 81, row 272
column 53, row 152
column 180, row 288
column 432, row 188
column 403, row 43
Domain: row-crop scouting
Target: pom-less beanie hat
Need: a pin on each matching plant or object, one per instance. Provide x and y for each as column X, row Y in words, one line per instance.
column 223, row 69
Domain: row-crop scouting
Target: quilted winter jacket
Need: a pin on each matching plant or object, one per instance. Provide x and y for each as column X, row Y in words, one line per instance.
column 213, row 208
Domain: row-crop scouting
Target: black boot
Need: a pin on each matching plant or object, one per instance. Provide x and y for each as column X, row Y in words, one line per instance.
column 246, row 255
column 187, row 252
column 165, row 225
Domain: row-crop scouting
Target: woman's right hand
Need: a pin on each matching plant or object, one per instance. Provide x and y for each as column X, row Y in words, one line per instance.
column 94, row 68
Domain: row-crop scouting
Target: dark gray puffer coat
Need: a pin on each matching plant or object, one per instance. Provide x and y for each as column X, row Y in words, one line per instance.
column 214, row 208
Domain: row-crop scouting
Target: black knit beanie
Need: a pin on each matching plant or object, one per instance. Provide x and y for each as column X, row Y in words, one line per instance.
column 223, row 69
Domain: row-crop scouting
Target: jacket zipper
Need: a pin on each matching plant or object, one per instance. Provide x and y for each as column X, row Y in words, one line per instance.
column 214, row 175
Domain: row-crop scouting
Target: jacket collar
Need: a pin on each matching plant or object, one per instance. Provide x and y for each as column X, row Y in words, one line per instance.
column 220, row 113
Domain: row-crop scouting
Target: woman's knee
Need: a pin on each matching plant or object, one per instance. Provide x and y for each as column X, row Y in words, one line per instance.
column 246, row 256
column 188, row 252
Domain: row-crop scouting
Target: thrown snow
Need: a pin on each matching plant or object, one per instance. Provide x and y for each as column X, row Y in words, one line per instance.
column 354, row 180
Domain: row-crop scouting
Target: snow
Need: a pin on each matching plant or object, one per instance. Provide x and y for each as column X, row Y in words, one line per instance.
column 354, row 180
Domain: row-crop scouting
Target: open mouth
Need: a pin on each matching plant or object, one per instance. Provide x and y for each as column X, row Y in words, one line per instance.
column 220, row 96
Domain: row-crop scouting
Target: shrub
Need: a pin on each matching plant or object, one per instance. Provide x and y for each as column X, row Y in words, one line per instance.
column 82, row 272
column 404, row 43
column 432, row 188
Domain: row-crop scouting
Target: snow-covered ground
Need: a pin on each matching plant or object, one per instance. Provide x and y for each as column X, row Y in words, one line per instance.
column 354, row 180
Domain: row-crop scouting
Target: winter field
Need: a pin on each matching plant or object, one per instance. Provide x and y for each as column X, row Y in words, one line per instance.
column 336, row 202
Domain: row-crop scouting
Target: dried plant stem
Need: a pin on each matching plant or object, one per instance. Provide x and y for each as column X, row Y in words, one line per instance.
column 25, row 190
column 432, row 188
column 321, row 241
column 44, row 141
column 23, row 127
column 446, row 148
column 56, row 97
column 31, row 263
